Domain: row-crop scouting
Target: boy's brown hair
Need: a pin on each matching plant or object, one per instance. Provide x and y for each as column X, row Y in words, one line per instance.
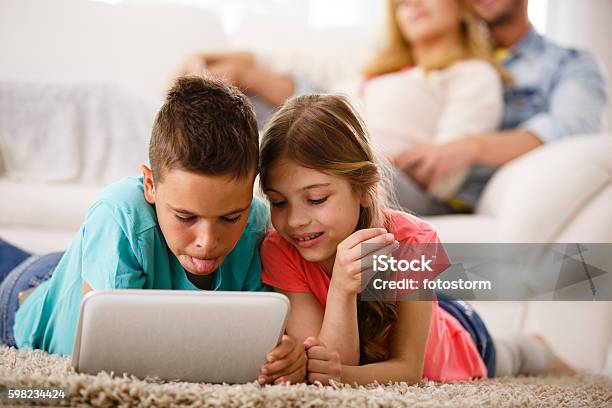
column 207, row 127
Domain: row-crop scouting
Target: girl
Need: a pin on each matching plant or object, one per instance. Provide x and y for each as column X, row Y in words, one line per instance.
column 328, row 199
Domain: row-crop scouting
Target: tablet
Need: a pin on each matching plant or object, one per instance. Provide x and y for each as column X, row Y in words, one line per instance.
column 196, row 336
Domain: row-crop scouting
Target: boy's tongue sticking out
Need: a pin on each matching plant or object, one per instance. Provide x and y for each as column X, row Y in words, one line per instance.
column 203, row 266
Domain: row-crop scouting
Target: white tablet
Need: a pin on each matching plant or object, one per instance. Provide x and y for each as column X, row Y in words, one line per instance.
column 196, row 336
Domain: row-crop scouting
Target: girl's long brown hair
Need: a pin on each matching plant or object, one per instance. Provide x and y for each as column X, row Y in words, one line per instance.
column 324, row 133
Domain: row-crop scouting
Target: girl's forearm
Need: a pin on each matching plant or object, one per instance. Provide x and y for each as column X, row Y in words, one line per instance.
column 340, row 329
column 383, row 372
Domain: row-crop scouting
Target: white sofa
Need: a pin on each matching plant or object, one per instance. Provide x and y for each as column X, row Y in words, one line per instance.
column 561, row 192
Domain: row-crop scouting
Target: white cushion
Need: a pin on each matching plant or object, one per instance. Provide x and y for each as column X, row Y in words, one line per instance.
column 135, row 45
column 465, row 228
column 536, row 196
column 72, row 133
column 38, row 133
column 59, row 206
column 593, row 223
column 38, row 240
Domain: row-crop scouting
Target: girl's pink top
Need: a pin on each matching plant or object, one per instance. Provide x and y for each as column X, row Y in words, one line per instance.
column 451, row 354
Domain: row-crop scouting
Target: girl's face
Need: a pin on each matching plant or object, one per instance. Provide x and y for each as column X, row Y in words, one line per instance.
column 424, row 20
column 313, row 211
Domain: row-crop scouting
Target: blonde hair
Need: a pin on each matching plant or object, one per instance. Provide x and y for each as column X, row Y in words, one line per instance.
column 395, row 52
column 324, row 133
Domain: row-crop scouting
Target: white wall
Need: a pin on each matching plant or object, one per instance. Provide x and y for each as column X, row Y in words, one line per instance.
column 135, row 46
column 585, row 24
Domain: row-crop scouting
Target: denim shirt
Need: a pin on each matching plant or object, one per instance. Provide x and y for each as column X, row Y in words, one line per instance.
column 557, row 92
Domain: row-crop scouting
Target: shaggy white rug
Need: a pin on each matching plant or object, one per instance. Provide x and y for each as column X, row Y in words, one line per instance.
column 27, row 368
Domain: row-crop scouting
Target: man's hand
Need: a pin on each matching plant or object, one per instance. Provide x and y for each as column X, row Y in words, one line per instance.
column 323, row 364
column 427, row 163
column 286, row 363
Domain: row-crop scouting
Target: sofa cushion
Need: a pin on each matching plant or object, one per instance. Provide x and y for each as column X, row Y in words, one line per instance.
column 465, row 228
column 534, row 198
column 38, row 240
column 72, row 133
column 61, row 206
column 593, row 223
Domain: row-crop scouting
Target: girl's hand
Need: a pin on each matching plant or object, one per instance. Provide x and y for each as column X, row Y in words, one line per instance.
column 286, row 363
column 353, row 265
column 323, row 364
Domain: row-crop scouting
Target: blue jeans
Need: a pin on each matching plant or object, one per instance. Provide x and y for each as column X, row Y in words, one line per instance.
column 19, row 271
column 471, row 321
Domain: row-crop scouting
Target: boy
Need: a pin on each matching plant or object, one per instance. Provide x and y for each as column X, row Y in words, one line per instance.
column 190, row 222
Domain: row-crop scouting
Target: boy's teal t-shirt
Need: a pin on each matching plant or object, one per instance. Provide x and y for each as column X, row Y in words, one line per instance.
column 120, row 245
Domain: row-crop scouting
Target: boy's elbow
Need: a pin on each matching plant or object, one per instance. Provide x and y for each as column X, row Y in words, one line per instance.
column 86, row 288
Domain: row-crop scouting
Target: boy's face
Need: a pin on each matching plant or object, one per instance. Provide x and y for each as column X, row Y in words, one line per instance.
column 201, row 217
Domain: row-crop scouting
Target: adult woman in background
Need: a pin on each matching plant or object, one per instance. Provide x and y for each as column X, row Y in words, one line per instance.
column 432, row 81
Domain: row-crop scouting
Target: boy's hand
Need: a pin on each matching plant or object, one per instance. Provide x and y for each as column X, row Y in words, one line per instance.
column 353, row 265
column 286, row 363
column 323, row 364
